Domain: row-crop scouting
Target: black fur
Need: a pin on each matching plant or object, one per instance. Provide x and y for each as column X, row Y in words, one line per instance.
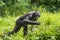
column 29, row 18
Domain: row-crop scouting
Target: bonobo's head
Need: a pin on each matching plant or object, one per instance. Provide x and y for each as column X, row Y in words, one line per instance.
column 36, row 15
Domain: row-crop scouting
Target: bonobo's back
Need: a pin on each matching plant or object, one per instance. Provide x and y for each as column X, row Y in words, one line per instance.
column 29, row 14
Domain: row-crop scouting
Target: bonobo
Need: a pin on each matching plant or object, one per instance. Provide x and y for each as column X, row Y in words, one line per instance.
column 29, row 18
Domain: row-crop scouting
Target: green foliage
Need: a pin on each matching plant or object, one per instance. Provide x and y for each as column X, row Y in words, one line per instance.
column 48, row 30
column 50, row 22
column 13, row 7
column 18, row 7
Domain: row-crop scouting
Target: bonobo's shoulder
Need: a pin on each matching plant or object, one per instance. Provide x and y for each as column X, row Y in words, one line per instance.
column 33, row 12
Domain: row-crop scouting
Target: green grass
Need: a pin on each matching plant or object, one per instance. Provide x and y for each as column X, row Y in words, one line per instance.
column 48, row 30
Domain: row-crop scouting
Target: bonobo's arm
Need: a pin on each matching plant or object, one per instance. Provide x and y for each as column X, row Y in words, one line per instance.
column 31, row 22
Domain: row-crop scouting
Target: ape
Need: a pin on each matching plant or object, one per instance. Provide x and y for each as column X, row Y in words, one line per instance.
column 29, row 18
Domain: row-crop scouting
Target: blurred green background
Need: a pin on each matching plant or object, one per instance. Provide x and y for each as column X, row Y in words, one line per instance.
column 11, row 10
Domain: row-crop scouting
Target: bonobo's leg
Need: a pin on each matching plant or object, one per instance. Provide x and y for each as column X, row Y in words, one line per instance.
column 25, row 30
column 15, row 30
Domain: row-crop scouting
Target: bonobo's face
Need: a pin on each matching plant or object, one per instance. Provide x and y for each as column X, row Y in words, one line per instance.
column 36, row 15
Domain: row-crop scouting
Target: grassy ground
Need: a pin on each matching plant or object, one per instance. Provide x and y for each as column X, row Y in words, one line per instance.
column 48, row 30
